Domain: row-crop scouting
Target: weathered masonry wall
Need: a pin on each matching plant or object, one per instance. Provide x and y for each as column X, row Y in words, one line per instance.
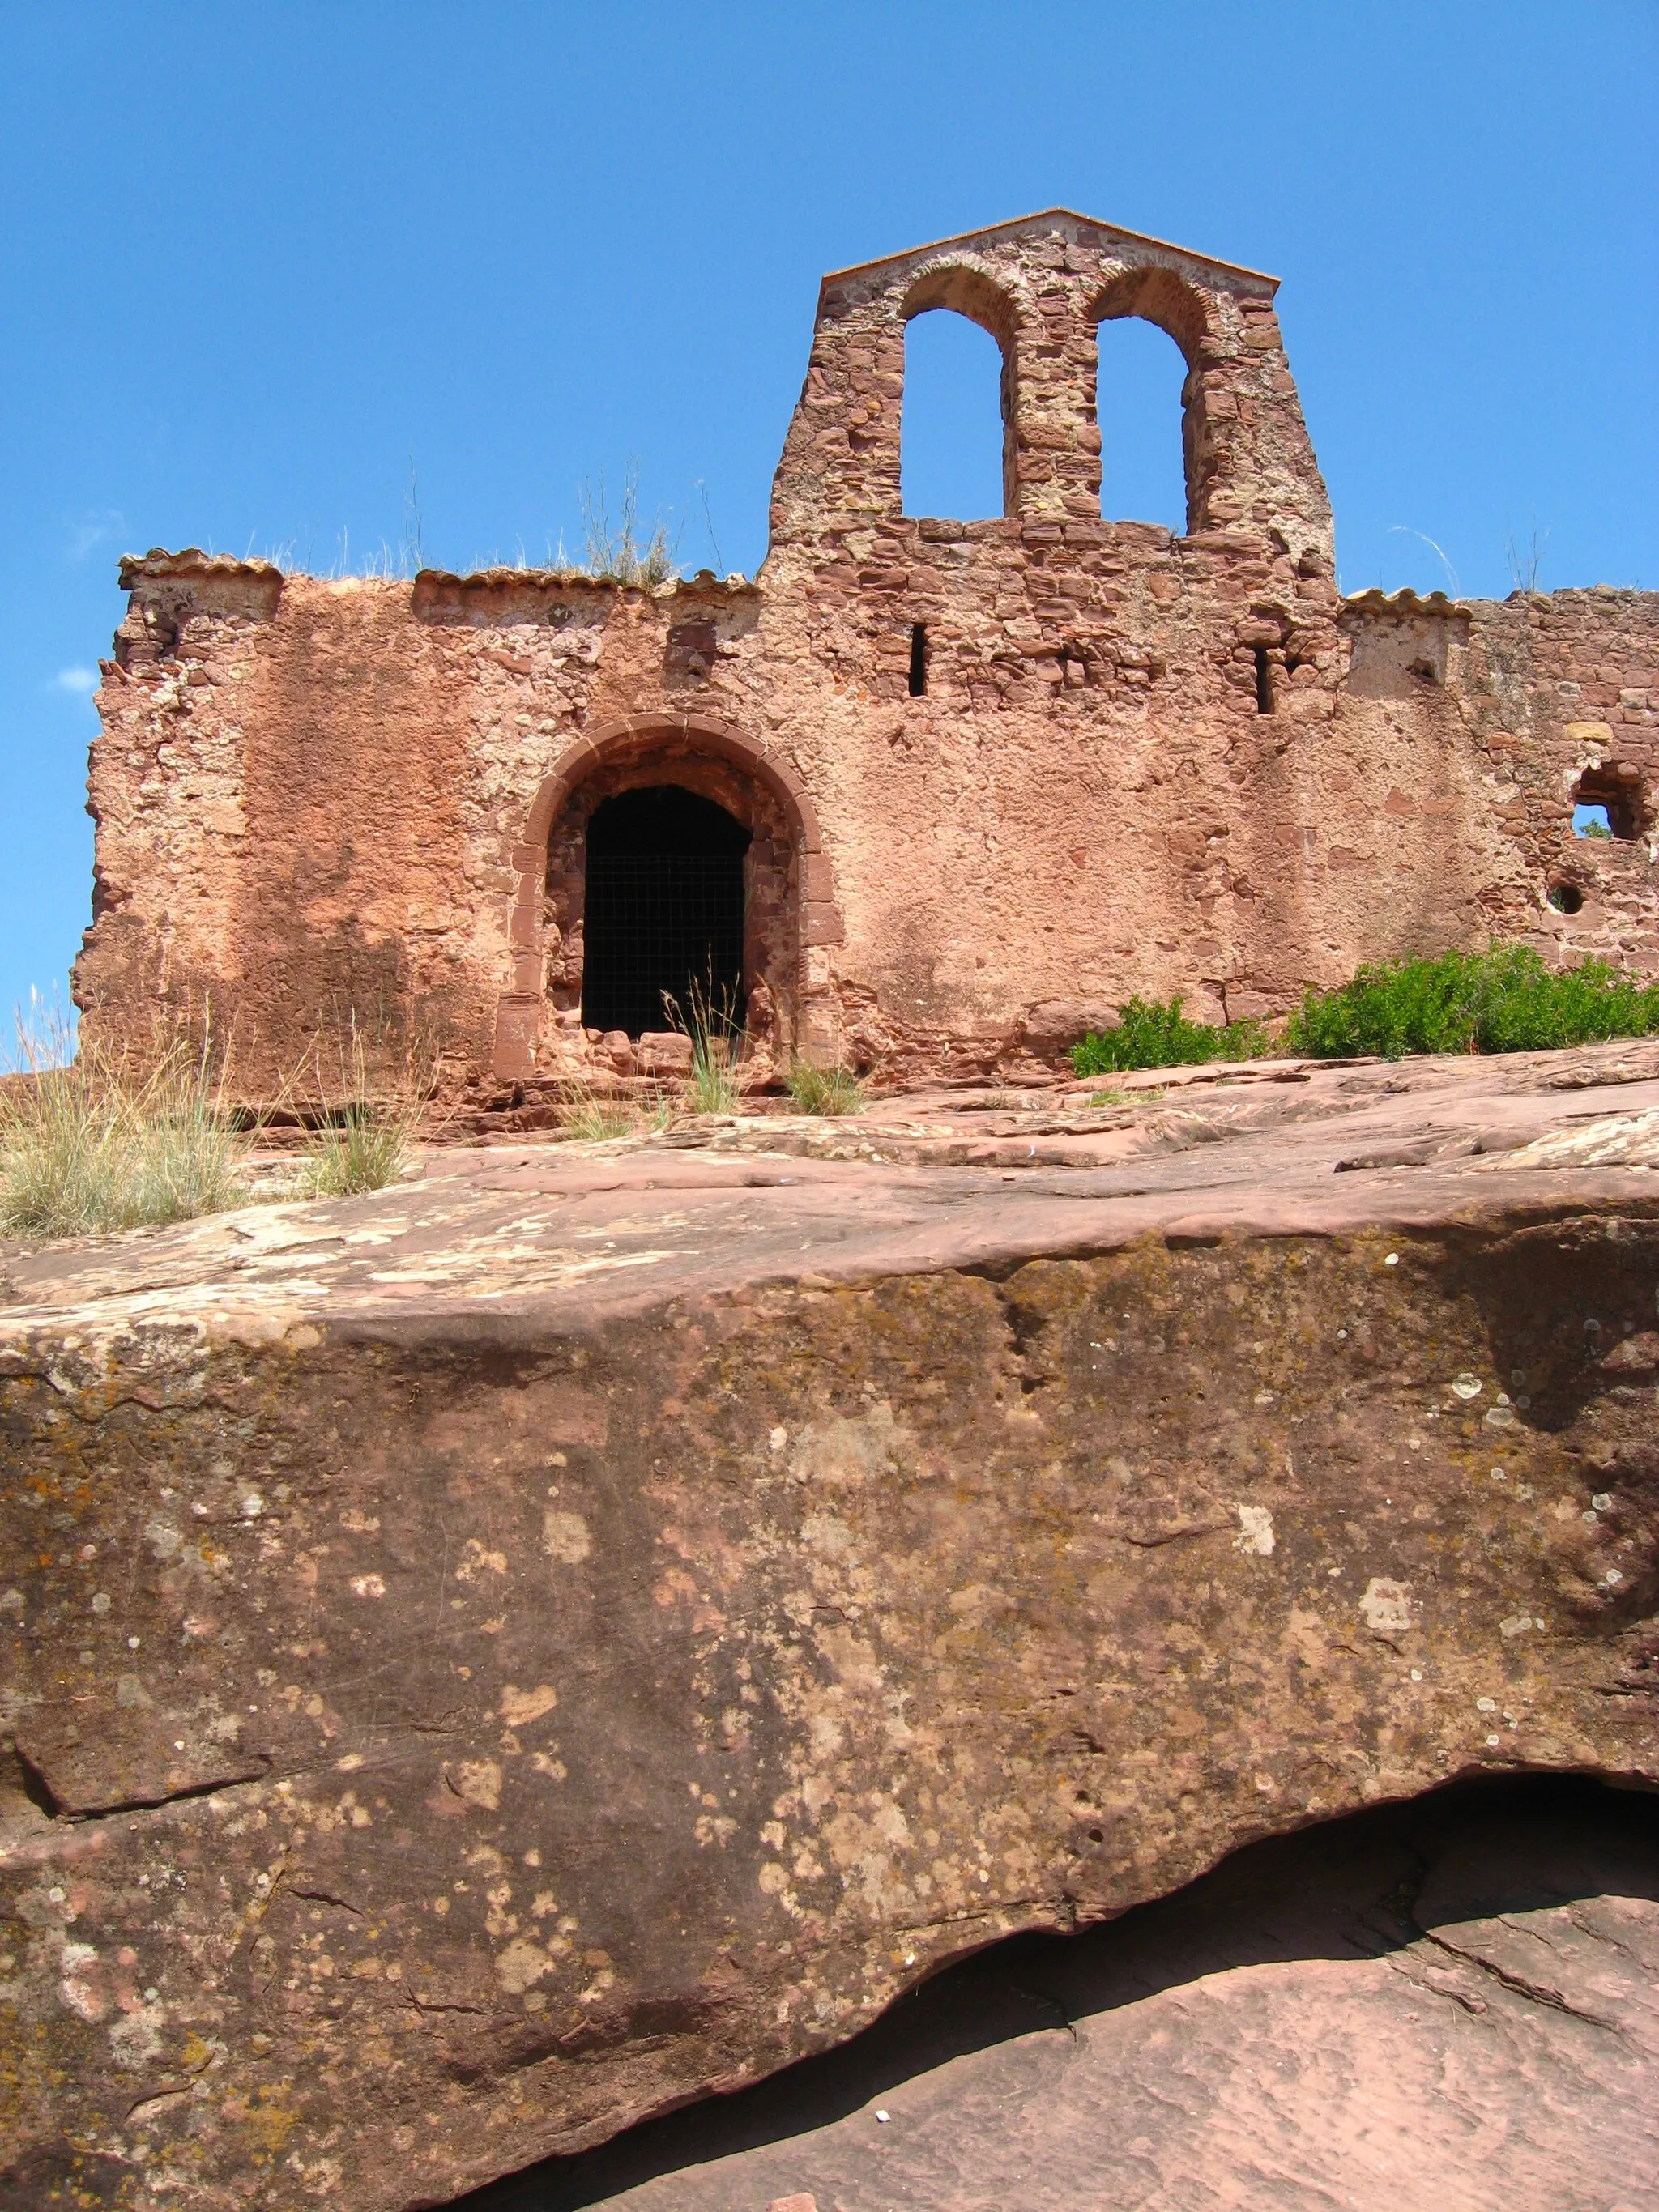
column 1141, row 762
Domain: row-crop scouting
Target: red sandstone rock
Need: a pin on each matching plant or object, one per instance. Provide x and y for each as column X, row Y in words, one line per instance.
column 1446, row 2004
column 488, row 1661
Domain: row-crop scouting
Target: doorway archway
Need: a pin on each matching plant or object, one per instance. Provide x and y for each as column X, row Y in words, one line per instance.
column 789, row 915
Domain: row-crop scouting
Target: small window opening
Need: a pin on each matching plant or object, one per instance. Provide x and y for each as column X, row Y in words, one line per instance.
column 1566, row 898
column 919, row 660
column 1264, row 682
column 1424, row 671
column 1607, row 805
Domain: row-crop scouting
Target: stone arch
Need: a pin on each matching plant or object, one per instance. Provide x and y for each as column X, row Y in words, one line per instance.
column 1158, row 296
column 960, row 289
column 715, row 761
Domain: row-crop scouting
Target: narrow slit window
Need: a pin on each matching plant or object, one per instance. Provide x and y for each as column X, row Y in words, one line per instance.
column 1264, row 682
column 918, row 660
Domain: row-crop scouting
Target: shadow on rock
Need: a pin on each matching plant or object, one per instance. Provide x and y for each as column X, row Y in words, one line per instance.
column 1452, row 1994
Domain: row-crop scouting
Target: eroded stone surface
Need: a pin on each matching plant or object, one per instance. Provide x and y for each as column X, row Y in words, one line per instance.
column 1449, row 2002
column 493, row 1659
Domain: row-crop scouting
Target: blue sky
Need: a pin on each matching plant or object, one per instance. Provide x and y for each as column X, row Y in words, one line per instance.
column 256, row 265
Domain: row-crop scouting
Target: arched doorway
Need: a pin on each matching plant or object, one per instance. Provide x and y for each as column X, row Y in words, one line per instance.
column 663, row 908
column 789, row 916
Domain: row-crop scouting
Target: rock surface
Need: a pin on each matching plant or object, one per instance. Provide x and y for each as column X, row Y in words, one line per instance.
column 1450, row 2003
column 493, row 1660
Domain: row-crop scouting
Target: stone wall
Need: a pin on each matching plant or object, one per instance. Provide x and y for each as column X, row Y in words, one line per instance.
column 1141, row 762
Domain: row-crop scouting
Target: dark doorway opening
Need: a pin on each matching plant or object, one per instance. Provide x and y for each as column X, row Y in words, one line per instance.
column 663, row 907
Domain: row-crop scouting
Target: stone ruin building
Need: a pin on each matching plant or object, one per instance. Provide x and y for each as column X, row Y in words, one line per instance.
column 549, row 1645
column 928, row 796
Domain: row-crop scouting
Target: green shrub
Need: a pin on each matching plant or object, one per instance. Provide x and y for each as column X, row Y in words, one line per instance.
column 1502, row 1000
column 824, row 1090
column 1151, row 1034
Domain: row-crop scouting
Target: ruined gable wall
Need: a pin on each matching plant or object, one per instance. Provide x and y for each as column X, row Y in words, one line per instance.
column 318, row 798
column 306, row 794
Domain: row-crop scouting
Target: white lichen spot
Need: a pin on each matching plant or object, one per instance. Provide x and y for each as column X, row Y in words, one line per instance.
column 1256, row 1531
column 76, row 1963
column 565, row 1537
column 827, row 1535
column 843, row 1453
column 1517, row 1625
column 1385, row 1606
column 777, row 1440
column 1466, row 1386
column 136, row 2039
column 1500, row 1416
column 368, row 1585
column 521, row 1965
column 521, row 1707
column 773, row 1879
column 476, row 1560
column 479, row 1781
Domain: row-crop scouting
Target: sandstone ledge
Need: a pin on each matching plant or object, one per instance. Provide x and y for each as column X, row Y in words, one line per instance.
column 493, row 1660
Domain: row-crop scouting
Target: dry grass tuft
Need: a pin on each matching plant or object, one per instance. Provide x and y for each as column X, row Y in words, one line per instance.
column 89, row 1145
column 369, row 1140
column 707, row 1019
column 824, row 1090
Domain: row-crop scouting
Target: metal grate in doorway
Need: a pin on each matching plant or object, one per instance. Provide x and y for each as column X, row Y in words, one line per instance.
column 655, row 923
